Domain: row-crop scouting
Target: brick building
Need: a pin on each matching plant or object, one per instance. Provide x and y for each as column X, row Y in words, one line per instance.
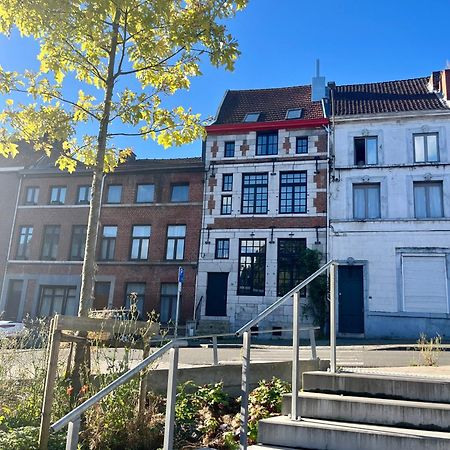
column 265, row 200
column 150, row 221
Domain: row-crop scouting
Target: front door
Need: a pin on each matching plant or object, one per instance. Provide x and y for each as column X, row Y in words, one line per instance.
column 13, row 300
column 351, row 299
column 216, row 294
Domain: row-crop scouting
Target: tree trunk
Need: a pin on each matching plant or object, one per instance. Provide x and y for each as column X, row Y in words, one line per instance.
column 89, row 263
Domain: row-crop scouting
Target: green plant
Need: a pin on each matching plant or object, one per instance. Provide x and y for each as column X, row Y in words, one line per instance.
column 429, row 349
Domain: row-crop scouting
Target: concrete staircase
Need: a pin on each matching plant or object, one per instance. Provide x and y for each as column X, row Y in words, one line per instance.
column 362, row 412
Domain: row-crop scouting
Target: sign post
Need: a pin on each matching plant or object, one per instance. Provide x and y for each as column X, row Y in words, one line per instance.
column 180, row 284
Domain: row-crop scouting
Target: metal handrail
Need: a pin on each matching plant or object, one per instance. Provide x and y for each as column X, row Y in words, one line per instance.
column 281, row 300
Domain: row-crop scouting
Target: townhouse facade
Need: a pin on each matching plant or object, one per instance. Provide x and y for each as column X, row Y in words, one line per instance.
column 265, row 200
column 149, row 226
column 390, row 207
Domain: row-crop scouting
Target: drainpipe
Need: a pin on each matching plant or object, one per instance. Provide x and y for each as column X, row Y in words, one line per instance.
column 2, row 299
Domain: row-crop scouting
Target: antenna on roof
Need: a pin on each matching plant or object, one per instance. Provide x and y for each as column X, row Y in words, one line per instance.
column 317, row 67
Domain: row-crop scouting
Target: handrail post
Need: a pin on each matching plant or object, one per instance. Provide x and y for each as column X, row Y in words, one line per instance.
column 215, row 352
column 245, row 382
column 73, row 430
column 312, row 341
column 333, row 318
column 171, row 397
column 295, row 354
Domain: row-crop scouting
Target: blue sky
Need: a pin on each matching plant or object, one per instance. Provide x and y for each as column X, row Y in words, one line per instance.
column 356, row 42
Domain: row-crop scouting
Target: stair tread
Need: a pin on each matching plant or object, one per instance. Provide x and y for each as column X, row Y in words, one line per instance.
column 357, row 427
column 373, row 400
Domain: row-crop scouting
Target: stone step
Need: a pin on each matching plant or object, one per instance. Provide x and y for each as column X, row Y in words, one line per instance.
column 401, row 413
column 366, row 385
column 331, row 435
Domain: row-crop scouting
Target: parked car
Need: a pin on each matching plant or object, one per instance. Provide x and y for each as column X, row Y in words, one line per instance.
column 10, row 329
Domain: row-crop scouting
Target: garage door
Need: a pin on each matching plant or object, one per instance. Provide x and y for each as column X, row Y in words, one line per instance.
column 425, row 284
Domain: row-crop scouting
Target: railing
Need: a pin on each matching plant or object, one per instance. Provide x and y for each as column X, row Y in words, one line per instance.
column 73, row 418
column 245, row 333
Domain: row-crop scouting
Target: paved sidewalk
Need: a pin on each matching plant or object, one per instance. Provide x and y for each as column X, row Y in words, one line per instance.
column 435, row 372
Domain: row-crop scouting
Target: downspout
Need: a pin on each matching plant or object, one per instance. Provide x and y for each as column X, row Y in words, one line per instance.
column 13, row 227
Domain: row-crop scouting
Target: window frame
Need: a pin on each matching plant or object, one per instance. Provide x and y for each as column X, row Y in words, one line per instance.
column 143, row 243
column 365, row 139
column 427, row 185
column 366, row 187
column 139, row 298
column 227, row 185
column 225, row 250
column 262, row 149
column 177, row 241
column 54, row 243
column 66, row 297
column 226, row 205
column 136, row 199
column 171, row 299
column 252, row 290
column 107, row 200
column 303, row 204
column 425, row 147
column 290, row 265
column 24, row 255
column 80, row 245
column 109, row 241
column 35, row 190
column 227, row 153
column 175, row 185
column 253, row 192
column 302, row 140
column 60, row 189
column 86, row 200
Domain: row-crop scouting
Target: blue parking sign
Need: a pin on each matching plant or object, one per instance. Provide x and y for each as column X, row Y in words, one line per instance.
column 180, row 275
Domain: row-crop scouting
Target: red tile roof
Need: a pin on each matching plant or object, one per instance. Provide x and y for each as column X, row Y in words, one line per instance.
column 386, row 97
column 272, row 103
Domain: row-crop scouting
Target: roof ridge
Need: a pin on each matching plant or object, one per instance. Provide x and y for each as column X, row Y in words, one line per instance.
column 383, row 82
column 271, row 88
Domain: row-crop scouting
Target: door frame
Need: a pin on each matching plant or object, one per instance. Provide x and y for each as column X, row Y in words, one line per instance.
column 364, row 264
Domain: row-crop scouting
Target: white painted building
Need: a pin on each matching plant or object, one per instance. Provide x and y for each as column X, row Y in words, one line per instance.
column 390, row 207
column 265, row 198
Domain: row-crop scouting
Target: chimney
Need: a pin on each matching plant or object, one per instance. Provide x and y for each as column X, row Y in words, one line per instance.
column 445, row 85
column 318, row 91
column 433, row 83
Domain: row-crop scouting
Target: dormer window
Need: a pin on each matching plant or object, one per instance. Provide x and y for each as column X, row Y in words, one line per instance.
column 294, row 113
column 252, row 117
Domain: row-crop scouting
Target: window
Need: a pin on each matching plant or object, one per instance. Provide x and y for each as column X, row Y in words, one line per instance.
column 366, row 201
column 84, row 195
column 290, row 264
column 365, row 150
column 145, row 193
column 180, row 193
column 294, row 113
column 58, row 195
column 13, row 300
column 428, row 200
column 101, row 294
column 252, row 267
column 58, row 300
column 168, row 302
column 426, row 147
column 78, row 242
column 229, row 149
column 24, row 243
column 140, row 241
column 301, row 145
column 267, row 143
column 108, row 244
column 176, row 235
column 51, row 242
column 254, row 193
column 292, row 192
column 227, row 182
column 222, row 248
column 252, row 117
column 32, row 195
column 226, row 205
column 134, row 298
column 114, row 194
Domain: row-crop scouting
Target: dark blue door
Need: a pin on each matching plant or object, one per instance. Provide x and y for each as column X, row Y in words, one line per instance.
column 216, row 294
column 351, row 299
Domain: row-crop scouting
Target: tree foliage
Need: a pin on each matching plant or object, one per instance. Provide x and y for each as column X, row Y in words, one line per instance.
column 159, row 43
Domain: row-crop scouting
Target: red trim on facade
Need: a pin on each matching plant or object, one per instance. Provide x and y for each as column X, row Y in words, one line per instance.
column 230, row 128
